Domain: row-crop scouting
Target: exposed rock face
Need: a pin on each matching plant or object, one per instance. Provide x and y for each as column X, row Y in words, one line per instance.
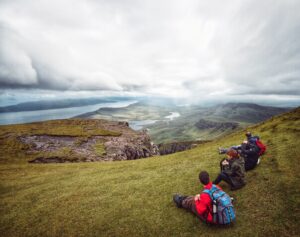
column 130, row 145
column 205, row 124
column 174, row 147
column 78, row 140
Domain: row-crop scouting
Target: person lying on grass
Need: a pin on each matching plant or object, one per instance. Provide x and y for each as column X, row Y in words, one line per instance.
column 201, row 204
column 232, row 170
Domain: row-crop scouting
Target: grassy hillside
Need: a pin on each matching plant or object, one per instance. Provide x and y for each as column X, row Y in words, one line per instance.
column 134, row 198
column 136, row 111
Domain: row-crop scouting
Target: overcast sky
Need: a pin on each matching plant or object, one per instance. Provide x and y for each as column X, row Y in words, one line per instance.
column 190, row 48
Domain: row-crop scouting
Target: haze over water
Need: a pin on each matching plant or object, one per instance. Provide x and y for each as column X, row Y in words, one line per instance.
column 63, row 113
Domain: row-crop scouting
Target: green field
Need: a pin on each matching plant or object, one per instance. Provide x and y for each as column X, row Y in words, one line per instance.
column 134, row 198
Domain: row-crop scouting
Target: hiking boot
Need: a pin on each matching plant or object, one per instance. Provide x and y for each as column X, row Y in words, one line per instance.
column 178, row 199
column 232, row 200
column 258, row 161
column 222, row 150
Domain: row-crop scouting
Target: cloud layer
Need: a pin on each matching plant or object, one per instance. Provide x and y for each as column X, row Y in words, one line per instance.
column 187, row 48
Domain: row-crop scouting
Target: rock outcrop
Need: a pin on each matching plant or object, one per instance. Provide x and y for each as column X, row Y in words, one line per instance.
column 205, row 124
column 126, row 145
column 82, row 140
column 173, row 147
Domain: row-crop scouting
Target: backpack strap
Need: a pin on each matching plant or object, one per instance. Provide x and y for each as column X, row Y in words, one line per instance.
column 208, row 210
column 211, row 191
column 207, row 191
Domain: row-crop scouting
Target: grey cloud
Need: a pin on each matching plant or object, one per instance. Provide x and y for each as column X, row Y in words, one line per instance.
column 15, row 63
column 192, row 48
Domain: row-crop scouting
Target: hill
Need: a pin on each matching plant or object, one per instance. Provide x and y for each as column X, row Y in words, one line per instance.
column 243, row 112
column 134, row 198
column 194, row 122
column 198, row 123
column 54, row 104
column 74, row 140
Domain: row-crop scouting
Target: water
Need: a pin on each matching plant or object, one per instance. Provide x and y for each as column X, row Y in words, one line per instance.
column 139, row 124
column 42, row 115
column 173, row 115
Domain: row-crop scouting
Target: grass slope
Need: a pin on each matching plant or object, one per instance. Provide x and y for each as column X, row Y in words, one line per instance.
column 134, row 198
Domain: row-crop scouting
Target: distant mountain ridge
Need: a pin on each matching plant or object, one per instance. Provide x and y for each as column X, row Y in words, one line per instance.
column 245, row 112
column 198, row 123
column 194, row 122
column 57, row 104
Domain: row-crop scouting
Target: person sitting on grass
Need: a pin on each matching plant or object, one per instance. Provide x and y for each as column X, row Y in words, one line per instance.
column 201, row 204
column 250, row 153
column 238, row 148
column 232, row 170
column 248, row 150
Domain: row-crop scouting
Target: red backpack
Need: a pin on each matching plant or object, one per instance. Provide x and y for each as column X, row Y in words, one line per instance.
column 262, row 147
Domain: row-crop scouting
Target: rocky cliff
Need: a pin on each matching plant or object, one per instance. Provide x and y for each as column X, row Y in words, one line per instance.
column 74, row 140
column 173, row 147
column 206, row 124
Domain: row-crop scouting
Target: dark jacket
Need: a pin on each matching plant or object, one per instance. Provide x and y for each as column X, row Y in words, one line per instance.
column 236, row 171
column 250, row 152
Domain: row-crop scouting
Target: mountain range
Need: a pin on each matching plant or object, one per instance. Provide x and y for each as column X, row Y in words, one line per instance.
column 194, row 122
column 58, row 104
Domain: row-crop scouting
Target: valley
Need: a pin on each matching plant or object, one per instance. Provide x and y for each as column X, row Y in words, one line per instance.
column 190, row 122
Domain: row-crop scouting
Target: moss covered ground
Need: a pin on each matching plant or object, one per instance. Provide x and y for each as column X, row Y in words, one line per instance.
column 134, row 198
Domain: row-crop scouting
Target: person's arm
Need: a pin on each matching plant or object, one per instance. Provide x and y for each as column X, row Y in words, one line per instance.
column 233, row 168
column 203, row 203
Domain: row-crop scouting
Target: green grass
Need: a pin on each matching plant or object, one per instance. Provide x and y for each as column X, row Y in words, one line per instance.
column 99, row 149
column 66, row 127
column 65, row 154
column 134, row 198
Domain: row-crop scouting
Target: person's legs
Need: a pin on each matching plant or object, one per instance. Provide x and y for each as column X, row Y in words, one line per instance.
column 237, row 147
column 189, row 204
column 221, row 165
column 223, row 176
column 224, row 150
column 177, row 198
